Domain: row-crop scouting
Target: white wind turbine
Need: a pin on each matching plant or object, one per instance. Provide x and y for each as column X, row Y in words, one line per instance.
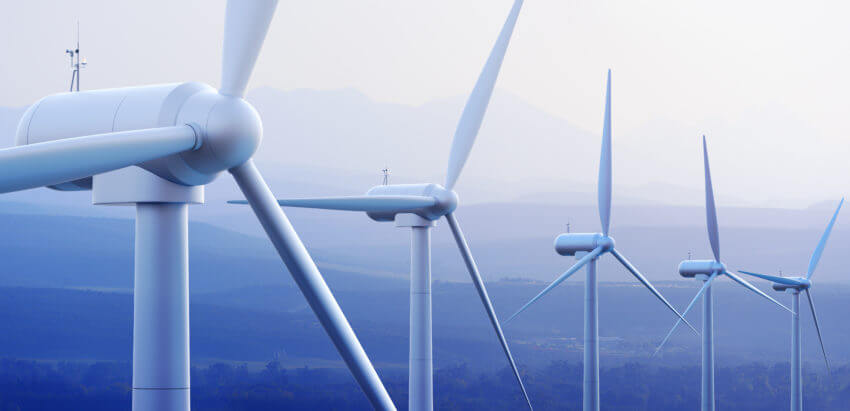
column 156, row 147
column 590, row 247
column 418, row 207
column 707, row 271
column 793, row 286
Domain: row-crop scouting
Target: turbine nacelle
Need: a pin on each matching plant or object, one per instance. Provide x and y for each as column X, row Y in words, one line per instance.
column 692, row 268
column 228, row 129
column 569, row 244
column 445, row 201
column 804, row 284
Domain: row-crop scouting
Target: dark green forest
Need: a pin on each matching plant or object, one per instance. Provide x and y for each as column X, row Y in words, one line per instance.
column 30, row 385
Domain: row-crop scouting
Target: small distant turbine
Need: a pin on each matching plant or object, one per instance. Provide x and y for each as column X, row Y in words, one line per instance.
column 386, row 180
column 77, row 63
column 418, row 207
column 793, row 286
column 590, row 247
column 707, row 271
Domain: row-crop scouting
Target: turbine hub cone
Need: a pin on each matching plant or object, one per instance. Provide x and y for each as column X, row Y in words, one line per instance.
column 606, row 242
column 231, row 131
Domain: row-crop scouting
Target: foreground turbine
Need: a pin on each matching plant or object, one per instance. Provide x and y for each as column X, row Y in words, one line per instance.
column 707, row 271
column 156, row 147
column 419, row 206
column 793, row 286
column 591, row 247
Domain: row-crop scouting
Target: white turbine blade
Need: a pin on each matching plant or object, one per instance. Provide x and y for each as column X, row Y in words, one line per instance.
column 626, row 263
column 753, row 288
column 485, row 299
column 584, row 260
column 710, row 209
column 822, row 243
column 359, row 203
column 310, row 282
column 246, row 23
column 773, row 278
column 604, row 187
column 817, row 328
column 59, row 161
column 688, row 309
column 476, row 105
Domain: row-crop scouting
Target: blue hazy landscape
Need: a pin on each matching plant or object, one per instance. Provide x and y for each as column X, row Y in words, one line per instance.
column 106, row 306
column 66, row 287
column 66, row 326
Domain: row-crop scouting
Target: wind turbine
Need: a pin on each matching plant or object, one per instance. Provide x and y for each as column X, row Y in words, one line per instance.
column 156, row 147
column 418, row 207
column 590, row 247
column 793, row 286
column 706, row 271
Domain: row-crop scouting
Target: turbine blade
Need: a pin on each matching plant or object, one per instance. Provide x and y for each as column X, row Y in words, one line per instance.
column 775, row 279
column 710, row 209
column 476, row 105
column 817, row 328
column 485, row 299
column 584, row 260
column 310, row 282
column 358, row 203
column 604, row 187
column 246, row 23
column 688, row 309
column 822, row 243
column 753, row 288
column 59, row 161
column 626, row 263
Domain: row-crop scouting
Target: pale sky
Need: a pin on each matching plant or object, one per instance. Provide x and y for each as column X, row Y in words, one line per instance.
column 765, row 80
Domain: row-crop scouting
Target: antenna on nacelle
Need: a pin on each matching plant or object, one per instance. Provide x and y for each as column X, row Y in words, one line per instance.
column 76, row 62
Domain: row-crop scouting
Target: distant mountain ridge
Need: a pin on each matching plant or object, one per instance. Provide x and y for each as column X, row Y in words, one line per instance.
column 338, row 141
column 320, row 143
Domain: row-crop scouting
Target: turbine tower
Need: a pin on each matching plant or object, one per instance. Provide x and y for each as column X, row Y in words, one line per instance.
column 590, row 247
column 706, row 271
column 793, row 286
column 156, row 147
column 418, row 207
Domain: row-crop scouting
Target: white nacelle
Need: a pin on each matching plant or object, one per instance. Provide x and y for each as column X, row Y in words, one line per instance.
column 572, row 243
column 230, row 128
column 784, row 287
column 446, row 200
column 691, row 268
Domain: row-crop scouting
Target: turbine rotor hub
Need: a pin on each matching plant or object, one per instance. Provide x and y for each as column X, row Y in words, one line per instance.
column 230, row 131
column 606, row 242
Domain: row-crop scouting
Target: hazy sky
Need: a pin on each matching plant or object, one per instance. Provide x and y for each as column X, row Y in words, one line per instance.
column 766, row 80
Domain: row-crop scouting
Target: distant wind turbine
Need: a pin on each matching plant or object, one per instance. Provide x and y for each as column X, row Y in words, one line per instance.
column 707, row 271
column 590, row 247
column 419, row 206
column 793, row 286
